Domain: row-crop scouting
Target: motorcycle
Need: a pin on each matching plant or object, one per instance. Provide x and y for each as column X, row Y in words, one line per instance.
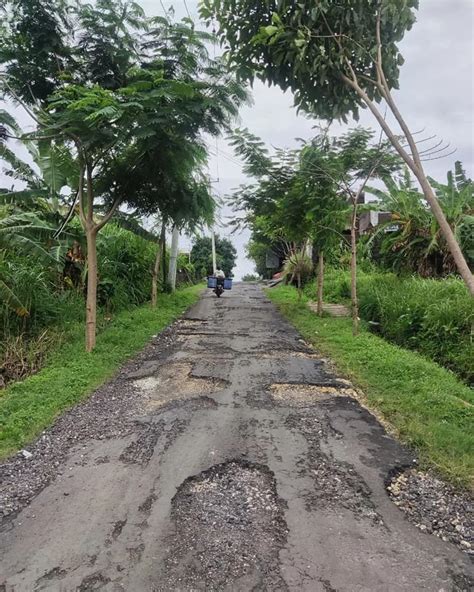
column 218, row 290
column 218, row 285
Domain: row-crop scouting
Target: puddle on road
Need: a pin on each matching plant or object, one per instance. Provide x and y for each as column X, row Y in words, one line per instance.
column 301, row 395
column 228, row 531
column 175, row 382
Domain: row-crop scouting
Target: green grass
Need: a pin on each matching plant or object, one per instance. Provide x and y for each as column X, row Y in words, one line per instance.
column 434, row 317
column 27, row 407
column 429, row 407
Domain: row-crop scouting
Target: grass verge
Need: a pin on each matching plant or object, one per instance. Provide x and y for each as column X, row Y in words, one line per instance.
column 29, row 406
column 427, row 405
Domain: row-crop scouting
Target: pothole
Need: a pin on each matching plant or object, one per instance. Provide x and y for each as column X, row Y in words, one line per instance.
column 229, row 529
column 435, row 507
column 141, row 450
column 279, row 353
column 336, row 484
column 175, row 382
column 302, row 395
column 192, row 322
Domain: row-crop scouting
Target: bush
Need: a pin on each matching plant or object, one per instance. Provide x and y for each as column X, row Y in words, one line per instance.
column 125, row 261
column 54, row 306
column 434, row 317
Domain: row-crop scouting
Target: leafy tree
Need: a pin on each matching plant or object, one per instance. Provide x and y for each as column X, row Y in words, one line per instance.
column 308, row 195
column 130, row 124
column 353, row 161
column 336, row 57
column 201, row 255
column 34, row 47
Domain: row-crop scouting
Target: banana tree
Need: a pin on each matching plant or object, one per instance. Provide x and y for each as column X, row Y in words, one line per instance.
column 412, row 239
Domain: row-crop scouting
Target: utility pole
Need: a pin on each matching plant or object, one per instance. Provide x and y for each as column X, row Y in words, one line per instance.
column 173, row 258
column 213, row 241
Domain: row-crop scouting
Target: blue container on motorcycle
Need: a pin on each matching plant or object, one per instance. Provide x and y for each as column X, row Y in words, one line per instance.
column 227, row 284
column 211, row 282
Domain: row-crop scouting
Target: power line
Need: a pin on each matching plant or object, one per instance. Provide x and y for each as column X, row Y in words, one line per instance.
column 187, row 10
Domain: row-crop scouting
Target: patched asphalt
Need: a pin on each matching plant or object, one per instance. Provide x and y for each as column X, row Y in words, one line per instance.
column 226, row 456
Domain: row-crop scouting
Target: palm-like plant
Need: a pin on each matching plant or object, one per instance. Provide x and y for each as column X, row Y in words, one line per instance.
column 298, row 265
column 457, row 200
column 52, row 169
column 30, row 215
column 412, row 239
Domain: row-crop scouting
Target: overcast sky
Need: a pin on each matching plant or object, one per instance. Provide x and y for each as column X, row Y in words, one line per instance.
column 436, row 93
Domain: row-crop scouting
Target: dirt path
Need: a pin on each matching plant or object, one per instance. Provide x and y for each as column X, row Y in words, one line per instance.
column 200, row 467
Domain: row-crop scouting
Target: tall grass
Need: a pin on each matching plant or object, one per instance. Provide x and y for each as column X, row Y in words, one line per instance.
column 55, row 308
column 433, row 317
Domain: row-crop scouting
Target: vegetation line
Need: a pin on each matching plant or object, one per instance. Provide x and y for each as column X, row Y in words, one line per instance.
column 28, row 407
column 425, row 403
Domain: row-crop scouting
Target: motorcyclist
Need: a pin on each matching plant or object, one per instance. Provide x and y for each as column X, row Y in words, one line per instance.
column 220, row 275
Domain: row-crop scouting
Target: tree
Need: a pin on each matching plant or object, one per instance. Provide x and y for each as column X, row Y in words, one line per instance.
column 336, row 57
column 118, row 108
column 201, row 255
column 352, row 162
column 34, row 47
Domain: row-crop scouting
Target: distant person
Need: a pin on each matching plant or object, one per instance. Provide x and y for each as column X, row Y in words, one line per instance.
column 220, row 275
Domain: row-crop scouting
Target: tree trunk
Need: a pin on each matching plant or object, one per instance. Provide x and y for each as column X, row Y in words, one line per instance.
column 156, row 267
column 298, row 279
column 91, row 302
column 173, row 258
column 447, row 231
column 320, row 283
column 354, row 300
column 163, row 256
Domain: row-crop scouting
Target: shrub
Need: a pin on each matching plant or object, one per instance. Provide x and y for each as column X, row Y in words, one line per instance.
column 125, row 262
column 434, row 317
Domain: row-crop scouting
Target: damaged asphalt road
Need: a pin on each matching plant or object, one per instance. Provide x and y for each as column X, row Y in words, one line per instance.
column 226, row 456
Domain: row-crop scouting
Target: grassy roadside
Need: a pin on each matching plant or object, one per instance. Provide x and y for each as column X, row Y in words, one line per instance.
column 27, row 407
column 427, row 405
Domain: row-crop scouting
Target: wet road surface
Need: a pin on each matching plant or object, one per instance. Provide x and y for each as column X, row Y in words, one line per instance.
column 229, row 458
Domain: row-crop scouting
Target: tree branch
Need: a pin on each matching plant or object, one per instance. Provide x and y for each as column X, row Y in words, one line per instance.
column 110, row 213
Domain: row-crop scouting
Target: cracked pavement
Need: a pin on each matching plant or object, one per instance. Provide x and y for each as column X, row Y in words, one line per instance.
column 227, row 456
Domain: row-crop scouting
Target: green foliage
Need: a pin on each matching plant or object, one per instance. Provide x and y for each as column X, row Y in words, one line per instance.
column 430, row 408
column 33, row 45
column 297, row 265
column 130, row 98
column 186, row 270
column 306, row 194
column 28, row 407
column 125, row 264
column 257, row 251
column 201, row 255
column 39, row 299
column 411, row 240
column 311, row 48
column 250, row 277
column 433, row 317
